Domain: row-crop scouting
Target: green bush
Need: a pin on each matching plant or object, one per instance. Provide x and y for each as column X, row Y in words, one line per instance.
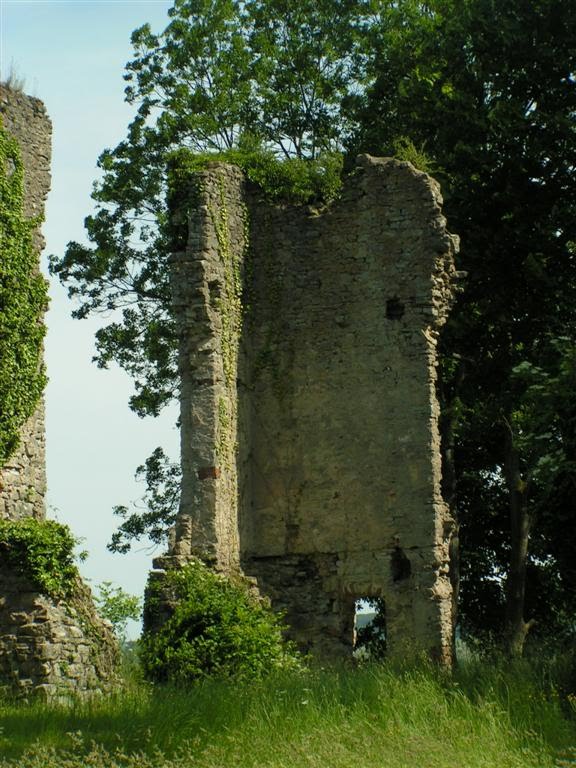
column 292, row 180
column 217, row 629
column 405, row 149
column 41, row 550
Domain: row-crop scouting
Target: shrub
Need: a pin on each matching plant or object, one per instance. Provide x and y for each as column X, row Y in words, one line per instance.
column 405, row 149
column 43, row 551
column 217, row 629
column 292, row 180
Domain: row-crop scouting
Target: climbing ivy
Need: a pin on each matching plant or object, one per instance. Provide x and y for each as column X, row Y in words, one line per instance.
column 230, row 305
column 43, row 551
column 23, row 301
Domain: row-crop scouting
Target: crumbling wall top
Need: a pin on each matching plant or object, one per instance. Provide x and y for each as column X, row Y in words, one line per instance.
column 310, row 444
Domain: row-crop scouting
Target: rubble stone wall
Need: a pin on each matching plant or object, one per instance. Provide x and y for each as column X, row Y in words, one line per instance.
column 23, row 477
column 207, row 284
column 48, row 647
column 310, row 440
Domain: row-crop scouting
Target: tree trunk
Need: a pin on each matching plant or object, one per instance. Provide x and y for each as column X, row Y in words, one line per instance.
column 516, row 628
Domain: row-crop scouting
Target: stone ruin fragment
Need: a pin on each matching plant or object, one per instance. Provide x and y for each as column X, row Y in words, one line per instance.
column 310, row 446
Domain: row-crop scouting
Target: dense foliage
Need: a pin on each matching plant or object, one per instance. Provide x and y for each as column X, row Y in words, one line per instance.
column 293, row 179
column 483, row 94
column 23, row 301
column 488, row 88
column 43, row 551
column 217, row 629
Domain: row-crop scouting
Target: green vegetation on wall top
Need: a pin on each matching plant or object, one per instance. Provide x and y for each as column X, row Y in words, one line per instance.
column 23, row 301
column 295, row 180
column 43, row 552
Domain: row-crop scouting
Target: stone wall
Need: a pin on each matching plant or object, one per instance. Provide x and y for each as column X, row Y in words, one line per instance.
column 310, row 440
column 47, row 647
column 207, row 294
column 23, row 477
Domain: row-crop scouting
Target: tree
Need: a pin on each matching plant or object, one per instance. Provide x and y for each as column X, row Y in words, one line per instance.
column 488, row 89
column 307, row 61
column 263, row 77
column 160, row 504
column 190, row 84
column 118, row 607
column 223, row 74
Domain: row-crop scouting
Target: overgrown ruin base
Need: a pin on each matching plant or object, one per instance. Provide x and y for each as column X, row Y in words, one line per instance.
column 310, row 445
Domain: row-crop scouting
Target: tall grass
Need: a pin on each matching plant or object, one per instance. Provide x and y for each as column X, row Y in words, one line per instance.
column 485, row 716
column 13, row 80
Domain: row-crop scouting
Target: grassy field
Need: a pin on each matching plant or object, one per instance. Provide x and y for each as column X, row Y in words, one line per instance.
column 484, row 716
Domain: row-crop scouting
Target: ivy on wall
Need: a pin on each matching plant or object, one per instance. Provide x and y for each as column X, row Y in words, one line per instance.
column 43, row 551
column 23, row 301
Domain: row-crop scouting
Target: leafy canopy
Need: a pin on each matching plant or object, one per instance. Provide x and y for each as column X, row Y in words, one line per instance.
column 263, row 78
column 118, row 607
column 488, row 89
column 160, row 504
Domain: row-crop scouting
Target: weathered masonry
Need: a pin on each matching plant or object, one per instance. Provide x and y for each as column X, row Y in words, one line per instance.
column 51, row 647
column 310, row 444
column 23, row 478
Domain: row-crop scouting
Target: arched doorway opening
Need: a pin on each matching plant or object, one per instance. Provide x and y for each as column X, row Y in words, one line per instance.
column 370, row 641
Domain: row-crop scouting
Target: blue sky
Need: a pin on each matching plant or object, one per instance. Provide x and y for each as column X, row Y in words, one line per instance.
column 72, row 55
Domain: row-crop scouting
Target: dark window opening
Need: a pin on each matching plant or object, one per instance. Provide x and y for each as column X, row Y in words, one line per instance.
column 370, row 628
column 400, row 565
column 394, row 309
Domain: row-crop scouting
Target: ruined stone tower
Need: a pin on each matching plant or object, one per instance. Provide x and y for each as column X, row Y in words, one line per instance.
column 310, row 446
column 23, row 478
column 48, row 646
